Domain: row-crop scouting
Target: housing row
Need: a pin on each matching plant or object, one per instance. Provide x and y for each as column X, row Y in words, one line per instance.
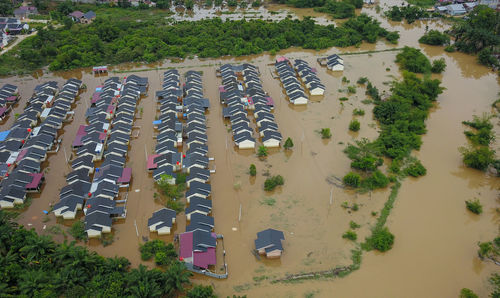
column 309, row 77
column 333, row 62
column 105, row 141
column 198, row 243
column 242, row 92
column 34, row 134
column 9, row 95
column 293, row 89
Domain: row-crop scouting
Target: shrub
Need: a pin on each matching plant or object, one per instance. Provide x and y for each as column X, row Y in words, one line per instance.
column 372, row 92
column 77, row 230
column 362, row 80
column 325, row 133
column 243, row 4
column 352, row 179
column 200, row 291
column 343, row 98
column 376, row 180
column 415, row 169
column 483, row 137
column 477, row 158
column 189, row 4
column 438, row 65
column 351, row 89
column 474, row 206
column 272, row 182
column 354, row 125
column 467, row 293
column 288, row 143
column 351, row 235
column 354, row 225
column 381, row 240
column 435, row 38
column 449, row 49
column 355, row 207
column 163, row 253
column 232, row 3
column 256, row 3
column 262, row 151
column 485, row 57
column 253, row 170
column 358, row 112
column 392, row 37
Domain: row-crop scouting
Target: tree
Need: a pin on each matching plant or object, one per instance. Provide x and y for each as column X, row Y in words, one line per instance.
column 474, row 206
column 189, row 4
column 176, row 277
column 272, row 182
column 351, row 235
column 467, row 293
column 253, row 170
column 477, row 158
column 354, row 125
column 435, row 38
column 413, row 60
column 381, row 239
column 6, row 8
column 65, row 8
column 438, row 65
column 262, row 151
column 352, row 179
column 288, row 143
column 325, row 133
column 199, row 291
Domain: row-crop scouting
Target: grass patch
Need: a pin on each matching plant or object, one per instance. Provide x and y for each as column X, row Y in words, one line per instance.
column 268, row 201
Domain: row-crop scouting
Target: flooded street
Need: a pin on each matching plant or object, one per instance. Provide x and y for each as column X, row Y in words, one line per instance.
column 435, row 250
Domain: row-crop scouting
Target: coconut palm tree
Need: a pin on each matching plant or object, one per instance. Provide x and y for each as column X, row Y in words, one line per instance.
column 177, row 276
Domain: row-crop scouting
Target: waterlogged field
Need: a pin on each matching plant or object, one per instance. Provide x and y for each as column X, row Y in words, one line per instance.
column 435, row 250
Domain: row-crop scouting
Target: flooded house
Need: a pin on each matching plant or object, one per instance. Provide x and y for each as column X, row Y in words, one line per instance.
column 162, row 221
column 197, row 249
column 268, row 243
column 309, row 77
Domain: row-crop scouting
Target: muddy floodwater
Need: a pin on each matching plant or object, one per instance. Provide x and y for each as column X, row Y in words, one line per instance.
column 435, row 250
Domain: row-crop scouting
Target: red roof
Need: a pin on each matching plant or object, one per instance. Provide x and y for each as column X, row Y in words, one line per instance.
column 79, row 135
column 126, row 176
column 186, row 245
column 151, row 165
column 3, row 110
column 21, row 155
column 96, row 96
column 205, row 259
column 37, row 178
column 11, row 98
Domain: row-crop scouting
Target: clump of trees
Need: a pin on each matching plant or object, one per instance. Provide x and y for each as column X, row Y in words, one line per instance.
column 408, row 13
column 352, row 179
column 112, row 39
column 435, row 38
column 478, row 155
column 484, row 134
column 477, row 158
column 474, row 206
column 35, row 266
column 162, row 253
column 381, row 239
column 172, row 193
column 479, row 33
column 272, row 182
column 341, row 9
column 354, row 125
column 414, row 60
column 467, row 293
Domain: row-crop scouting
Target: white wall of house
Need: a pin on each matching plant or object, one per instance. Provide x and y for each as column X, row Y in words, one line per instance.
column 246, row 144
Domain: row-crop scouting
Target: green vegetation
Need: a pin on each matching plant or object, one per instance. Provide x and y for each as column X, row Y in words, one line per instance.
column 372, row 91
column 325, row 133
column 438, row 65
column 495, row 283
column 413, row 60
column 164, row 254
column 352, row 179
column 268, row 201
column 484, row 128
column 422, row 3
column 288, row 143
column 253, row 170
column 381, row 240
column 474, row 206
column 343, row 98
column 272, row 182
column 362, row 80
column 262, row 151
column 449, row 48
column 435, row 38
column 479, row 33
column 200, row 291
column 35, row 266
column 358, row 112
column 477, row 158
column 467, row 293
column 351, row 235
column 77, row 230
column 490, row 250
column 340, row 9
column 354, row 225
column 113, row 38
column 172, row 192
column 354, row 125
column 351, row 89
column 409, row 13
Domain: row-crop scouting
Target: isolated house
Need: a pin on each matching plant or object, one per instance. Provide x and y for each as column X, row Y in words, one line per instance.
column 268, row 243
column 162, row 221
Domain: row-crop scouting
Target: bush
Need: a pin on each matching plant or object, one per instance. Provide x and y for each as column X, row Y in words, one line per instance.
column 352, row 179
column 354, row 125
column 438, row 65
column 351, row 235
column 474, row 206
column 449, row 49
column 415, row 169
column 164, row 253
column 343, row 98
column 77, row 230
column 381, row 240
column 325, row 133
column 376, row 180
column 467, row 293
column 200, row 291
column 189, row 4
column 358, row 112
column 354, row 225
column 288, row 143
column 484, row 136
column 256, row 3
column 272, row 182
column 253, row 170
column 477, row 158
column 435, row 38
column 351, row 89
column 262, row 151
column 485, row 57
column 362, row 80
column 232, row 3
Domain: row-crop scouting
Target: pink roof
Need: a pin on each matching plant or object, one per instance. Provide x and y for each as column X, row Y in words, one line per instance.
column 281, row 59
column 3, row 110
column 96, row 96
column 11, row 98
column 204, row 259
column 79, row 135
column 186, row 245
column 37, row 178
column 151, row 165
column 77, row 14
column 270, row 101
column 110, row 109
column 314, row 70
column 21, row 155
column 221, row 89
column 126, row 176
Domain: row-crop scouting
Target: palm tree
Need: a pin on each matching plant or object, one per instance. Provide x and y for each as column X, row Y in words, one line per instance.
column 177, row 276
column 37, row 248
column 33, row 281
column 145, row 283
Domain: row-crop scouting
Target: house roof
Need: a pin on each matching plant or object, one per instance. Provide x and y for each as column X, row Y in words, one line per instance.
column 77, row 14
column 269, row 239
column 163, row 215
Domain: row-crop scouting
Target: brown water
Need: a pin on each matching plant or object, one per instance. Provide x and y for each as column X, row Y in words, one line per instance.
column 435, row 250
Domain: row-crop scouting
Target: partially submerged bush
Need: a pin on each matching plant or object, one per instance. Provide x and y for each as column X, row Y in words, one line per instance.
column 253, row 170
column 272, row 182
column 262, row 151
column 351, row 235
column 474, row 206
column 381, row 240
column 354, row 125
column 325, row 133
column 352, row 179
column 477, row 158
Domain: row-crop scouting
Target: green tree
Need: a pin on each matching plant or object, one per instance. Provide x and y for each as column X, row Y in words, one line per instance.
column 6, row 8
column 474, row 206
column 325, row 133
column 262, row 151
column 381, row 240
column 351, row 235
column 354, row 125
column 467, row 293
column 413, row 60
column 352, row 179
column 288, row 143
column 438, row 65
column 435, row 38
column 253, row 170
column 477, row 158
column 199, row 291
column 176, row 277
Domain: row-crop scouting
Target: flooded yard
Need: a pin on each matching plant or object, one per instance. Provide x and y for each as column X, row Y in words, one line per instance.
column 435, row 250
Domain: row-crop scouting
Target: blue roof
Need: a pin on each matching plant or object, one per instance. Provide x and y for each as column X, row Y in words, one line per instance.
column 4, row 135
